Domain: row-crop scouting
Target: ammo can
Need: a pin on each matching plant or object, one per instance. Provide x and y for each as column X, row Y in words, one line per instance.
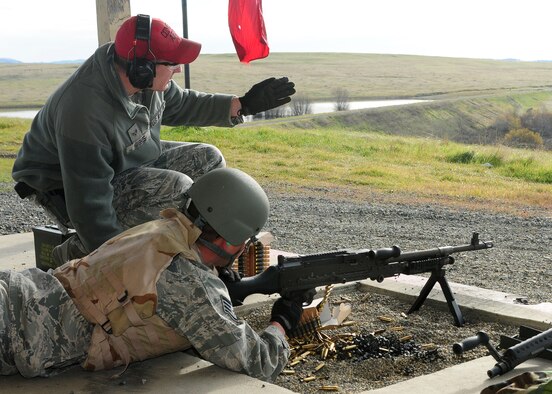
column 46, row 238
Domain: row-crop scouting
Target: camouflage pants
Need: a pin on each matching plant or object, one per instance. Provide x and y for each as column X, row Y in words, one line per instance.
column 535, row 382
column 41, row 329
column 140, row 193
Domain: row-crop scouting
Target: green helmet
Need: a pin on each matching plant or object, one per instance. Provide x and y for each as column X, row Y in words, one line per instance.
column 232, row 202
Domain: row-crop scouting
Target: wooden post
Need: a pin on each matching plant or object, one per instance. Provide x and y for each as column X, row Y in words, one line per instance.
column 110, row 16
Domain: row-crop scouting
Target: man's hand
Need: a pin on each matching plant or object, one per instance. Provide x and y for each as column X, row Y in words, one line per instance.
column 303, row 297
column 227, row 275
column 287, row 313
column 265, row 95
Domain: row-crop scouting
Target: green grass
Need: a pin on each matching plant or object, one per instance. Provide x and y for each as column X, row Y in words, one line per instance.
column 395, row 152
column 529, row 167
column 5, row 170
column 425, row 168
column 11, row 133
column 300, row 152
column 11, row 136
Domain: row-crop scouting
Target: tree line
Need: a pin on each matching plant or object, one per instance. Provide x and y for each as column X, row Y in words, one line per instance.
column 302, row 105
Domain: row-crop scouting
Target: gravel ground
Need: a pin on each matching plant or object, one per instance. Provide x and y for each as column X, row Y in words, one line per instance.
column 313, row 221
column 520, row 262
column 317, row 220
column 427, row 336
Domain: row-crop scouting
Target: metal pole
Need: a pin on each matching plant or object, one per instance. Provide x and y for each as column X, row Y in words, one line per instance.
column 185, row 35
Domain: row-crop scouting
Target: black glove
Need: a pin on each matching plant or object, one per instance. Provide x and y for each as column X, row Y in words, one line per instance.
column 287, row 312
column 227, row 275
column 265, row 95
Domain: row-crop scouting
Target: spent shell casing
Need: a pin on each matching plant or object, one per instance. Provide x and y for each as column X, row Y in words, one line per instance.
column 403, row 315
column 319, row 367
column 294, row 363
column 380, row 331
column 396, row 328
column 324, row 353
column 346, row 335
column 405, row 338
column 329, row 388
column 305, row 354
column 382, row 349
column 309, row 378
column 342, row 340
column 350, row 347
column 386, row 319
column 348, row 323
column 428, row 346
column 288, row 372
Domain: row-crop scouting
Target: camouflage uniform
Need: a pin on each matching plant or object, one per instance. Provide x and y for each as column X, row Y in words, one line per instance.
column 191, row 299
column 534, row 382
column 140, row 193
column 196, row 303
column 41, row 330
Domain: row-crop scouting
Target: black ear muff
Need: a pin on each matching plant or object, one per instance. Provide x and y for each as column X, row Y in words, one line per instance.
column 140, row 70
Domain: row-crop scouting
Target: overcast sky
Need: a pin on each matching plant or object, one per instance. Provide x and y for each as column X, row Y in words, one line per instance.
column 50, row 30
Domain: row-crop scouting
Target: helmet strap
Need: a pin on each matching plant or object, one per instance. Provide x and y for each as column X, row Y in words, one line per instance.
column 199, row 222
column 219, row 251
column 192, row 213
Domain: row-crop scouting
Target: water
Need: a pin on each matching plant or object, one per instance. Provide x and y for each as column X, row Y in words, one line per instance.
column 317, row 108
column 26, row 114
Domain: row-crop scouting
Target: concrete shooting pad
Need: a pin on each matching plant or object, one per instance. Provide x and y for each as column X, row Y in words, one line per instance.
column 184, row 372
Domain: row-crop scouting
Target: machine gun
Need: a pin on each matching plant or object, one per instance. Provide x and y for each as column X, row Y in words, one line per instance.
column 293, row 275
column 530, row 343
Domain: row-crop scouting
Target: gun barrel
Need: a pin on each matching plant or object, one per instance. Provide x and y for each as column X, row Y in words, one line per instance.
column 442, row 251
column 522, row 352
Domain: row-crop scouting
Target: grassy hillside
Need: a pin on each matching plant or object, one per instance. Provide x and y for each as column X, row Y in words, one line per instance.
column 317, row 75
column 408, row 153
column 368, row 165
column 460, row 119
column 29, row 85
column 393, row 167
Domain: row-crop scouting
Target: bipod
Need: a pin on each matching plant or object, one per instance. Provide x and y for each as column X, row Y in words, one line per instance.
column 438, row 275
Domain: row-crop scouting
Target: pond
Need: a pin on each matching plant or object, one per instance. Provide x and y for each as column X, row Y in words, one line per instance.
column 317, row 108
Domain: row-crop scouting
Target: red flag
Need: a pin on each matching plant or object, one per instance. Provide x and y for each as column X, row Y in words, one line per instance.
column 245, row 19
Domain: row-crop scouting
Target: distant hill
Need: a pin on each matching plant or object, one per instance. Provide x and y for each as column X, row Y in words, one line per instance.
column 363, row 76
column 78, row 61
column 14, row 61
column 7, row 60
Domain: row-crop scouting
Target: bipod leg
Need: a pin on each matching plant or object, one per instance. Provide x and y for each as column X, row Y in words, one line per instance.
column 439, row 276
column 423, row 294
column 451, row 302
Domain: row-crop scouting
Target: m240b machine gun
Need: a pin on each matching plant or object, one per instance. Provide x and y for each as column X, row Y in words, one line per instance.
column 299, row 274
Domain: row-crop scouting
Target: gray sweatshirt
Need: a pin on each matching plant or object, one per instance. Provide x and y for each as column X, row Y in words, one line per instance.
column 90, row 130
